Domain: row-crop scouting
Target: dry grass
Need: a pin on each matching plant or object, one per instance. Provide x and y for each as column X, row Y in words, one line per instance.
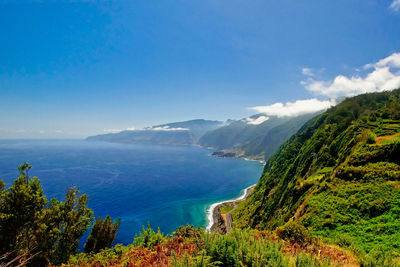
column 160, row 256
column 380, row 139
column 336, row 255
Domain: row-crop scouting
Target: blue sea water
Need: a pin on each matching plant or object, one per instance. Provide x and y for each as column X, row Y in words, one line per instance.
column 165, row 186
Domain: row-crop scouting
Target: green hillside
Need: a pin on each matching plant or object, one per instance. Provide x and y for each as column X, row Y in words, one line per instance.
column 254, row 140
column 339, row 176
column 238, row 132
column 266, row 144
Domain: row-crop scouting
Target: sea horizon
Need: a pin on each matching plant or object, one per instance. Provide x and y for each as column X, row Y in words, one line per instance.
column 162, row 185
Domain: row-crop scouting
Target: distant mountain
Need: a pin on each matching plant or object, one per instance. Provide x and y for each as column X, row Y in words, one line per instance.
column 239, row 132
column 177, row 133
column 271, row 140
column 197, row 128
column 257, row 136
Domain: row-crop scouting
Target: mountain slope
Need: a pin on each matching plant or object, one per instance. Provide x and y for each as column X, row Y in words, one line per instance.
column 238, row 132
column 177, row 133
column 249, row 138
column 255, row 137
column 339, row 175
column 267, row 143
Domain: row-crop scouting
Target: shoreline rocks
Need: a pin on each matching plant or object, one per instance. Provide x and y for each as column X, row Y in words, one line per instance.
column 223, row 224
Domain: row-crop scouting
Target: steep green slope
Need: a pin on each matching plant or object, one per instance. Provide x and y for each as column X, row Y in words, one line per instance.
column 238, row 132
column 268, row 142
column 254, row 140
column 339, row 175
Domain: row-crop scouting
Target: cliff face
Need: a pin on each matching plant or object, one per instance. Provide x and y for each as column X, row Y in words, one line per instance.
column 243, row 138
column 338, row 175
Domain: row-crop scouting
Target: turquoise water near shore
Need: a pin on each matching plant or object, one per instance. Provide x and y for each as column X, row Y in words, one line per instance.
column 165, row 186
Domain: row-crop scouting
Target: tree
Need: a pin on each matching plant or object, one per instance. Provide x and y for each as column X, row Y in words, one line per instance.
column 102, row 235
column 20, row 207
column 75, row 219
column 32, row 225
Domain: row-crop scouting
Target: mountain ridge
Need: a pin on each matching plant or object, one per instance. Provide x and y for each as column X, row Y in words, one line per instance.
column 338, row 175
column 177, row 133
column 254, row 137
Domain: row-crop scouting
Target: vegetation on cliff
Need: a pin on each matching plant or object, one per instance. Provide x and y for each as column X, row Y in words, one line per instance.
column 338, row 176
column 189, row 246
column 258, row 141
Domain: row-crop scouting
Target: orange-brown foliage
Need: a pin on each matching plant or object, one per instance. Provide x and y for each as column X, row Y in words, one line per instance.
column 322, row 252
column 385, row 137
column 160, row 256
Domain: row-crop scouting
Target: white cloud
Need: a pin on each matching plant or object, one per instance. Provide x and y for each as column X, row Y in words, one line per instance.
column 120, row 130
column 58, row 131
column 291, row 109
column 20, row 131
column 167, row 128
column 256, row 121
column 163, row 128
column 395, row 5
column 391, row 61
column 307, row 71
column 112, row 130
column 383, row 77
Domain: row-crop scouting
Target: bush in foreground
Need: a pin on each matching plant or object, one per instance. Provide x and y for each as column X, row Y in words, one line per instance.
column 193, row 247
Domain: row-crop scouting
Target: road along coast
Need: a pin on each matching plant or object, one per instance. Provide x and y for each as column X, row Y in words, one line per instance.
column 222, row 222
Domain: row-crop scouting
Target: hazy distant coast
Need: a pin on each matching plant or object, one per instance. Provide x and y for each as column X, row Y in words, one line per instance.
column 235, row 154
column 249, row 137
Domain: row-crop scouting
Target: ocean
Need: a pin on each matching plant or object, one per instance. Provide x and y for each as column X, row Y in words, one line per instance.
column 164, row 186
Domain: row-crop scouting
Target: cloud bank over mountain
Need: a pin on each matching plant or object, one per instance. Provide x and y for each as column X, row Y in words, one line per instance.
column 256, row 121
column 384, row 76
column 292, row 109
column 167, row 128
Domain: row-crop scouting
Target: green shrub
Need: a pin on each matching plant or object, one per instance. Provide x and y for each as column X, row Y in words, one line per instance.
column 148, row 238
column 294, row 232
column 304, row 260
column 379, row 257
column 369, row 213
column 102, row 257
column 344, row 240
column 370, row 171
column 371, row 138
column 242, row 248
column 102, row 234
column 188, row 231
column 201, row 260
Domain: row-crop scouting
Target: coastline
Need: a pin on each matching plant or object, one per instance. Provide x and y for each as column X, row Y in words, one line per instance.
column 261, row 161
column 214, row 218
column 234, row 154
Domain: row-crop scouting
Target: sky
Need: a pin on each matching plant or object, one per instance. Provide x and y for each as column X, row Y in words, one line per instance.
column 70, row 69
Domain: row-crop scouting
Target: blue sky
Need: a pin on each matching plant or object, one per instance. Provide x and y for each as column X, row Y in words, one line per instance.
column 77, row 68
